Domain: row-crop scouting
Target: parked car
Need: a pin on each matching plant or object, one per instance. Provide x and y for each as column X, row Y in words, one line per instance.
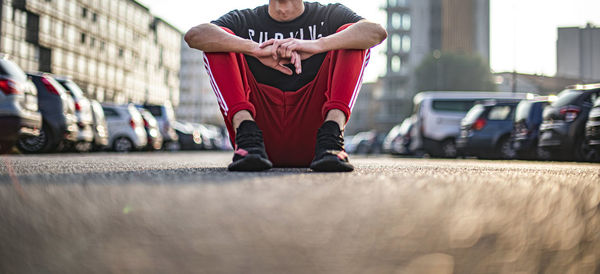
column 485, row 130
column 19, row 116
column 125, row 127
column 155, row 139
column 399, row 139
column 83, row 112
column 189, row 138
column 99, row 127
column 366, row 142
column 165, row 116
column 526, row 129
column 592, row 130
column 59, row 128
column 211, row 136
column 439, row 115
column 562, row 130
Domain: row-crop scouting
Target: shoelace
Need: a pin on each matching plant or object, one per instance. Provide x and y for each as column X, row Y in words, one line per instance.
column 326, row 140
column 251, row 139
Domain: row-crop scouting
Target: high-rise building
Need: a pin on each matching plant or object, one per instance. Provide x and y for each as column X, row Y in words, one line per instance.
column 116, row 50
column 197, row 101
column 416, row 28
column 578, row 53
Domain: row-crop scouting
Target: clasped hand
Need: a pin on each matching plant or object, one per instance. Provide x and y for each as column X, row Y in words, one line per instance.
column 276, row 53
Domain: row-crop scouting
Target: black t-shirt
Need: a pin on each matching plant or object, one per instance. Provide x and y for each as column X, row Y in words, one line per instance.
column 315, row 22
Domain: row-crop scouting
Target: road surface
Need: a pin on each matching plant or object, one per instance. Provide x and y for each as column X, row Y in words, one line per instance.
column 184, row 213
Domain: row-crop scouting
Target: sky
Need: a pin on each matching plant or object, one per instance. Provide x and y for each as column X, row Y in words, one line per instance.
column 523, row 33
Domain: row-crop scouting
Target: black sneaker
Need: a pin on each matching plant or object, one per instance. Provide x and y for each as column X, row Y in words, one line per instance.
column 330, row 155
column 249, row 154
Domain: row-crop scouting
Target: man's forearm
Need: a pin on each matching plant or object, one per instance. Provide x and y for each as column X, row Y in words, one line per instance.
column 361, row 35
column 211, row 38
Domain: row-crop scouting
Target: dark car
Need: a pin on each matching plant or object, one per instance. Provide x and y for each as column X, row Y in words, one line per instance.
column 562, row 131
column 189, row 138
column 59, row 127
column 592, row 130
column 165, row 116
column 83, row 112
column 155, row 139
column 526, row 129
column 19, row 116
column 99, row 127
column 485, row 130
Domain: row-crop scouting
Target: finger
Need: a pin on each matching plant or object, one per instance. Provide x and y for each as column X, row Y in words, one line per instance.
column 298, row 63
column 266, row 43
column 283, row 69
column 289, row 47
column 281, row 53
column 293, row 60
column 275, row 49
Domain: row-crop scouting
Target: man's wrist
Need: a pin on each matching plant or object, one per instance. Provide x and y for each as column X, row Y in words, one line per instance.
column 249, row 48
column 324, row 44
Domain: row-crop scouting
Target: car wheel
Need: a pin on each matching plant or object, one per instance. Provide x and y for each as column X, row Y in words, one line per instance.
column 546, row 154
column 449, row 149
column 583, row 152
column 506, row 150
column 6, row 146
column 34, row 144
column 122, row 144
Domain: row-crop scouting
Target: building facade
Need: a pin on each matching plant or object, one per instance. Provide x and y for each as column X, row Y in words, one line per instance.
column 198, row 103
column 116, row 50
column 578, row 53
column 416, row 28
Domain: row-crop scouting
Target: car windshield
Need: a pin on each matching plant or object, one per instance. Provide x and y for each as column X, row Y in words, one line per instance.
column 73, row 88
column 566, row 97
column 8, row 68
column 474, row 113
column 155, row 110
column 452, row 105
column 523, row 109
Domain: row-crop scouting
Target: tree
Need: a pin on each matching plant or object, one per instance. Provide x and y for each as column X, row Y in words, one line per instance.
column 453, row 72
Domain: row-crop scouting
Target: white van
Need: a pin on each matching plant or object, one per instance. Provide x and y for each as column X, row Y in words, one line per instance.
column 439, row 114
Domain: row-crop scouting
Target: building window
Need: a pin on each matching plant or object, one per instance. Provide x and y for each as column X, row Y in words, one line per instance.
column 94, row 17
column 406, row 43
column 82, row 40
column 406, row 21
column 32, row 28
column 84, row 12
column 396, row 41
column 396, row 20
column 120, row 52
column 396, row 63
column 92, row 42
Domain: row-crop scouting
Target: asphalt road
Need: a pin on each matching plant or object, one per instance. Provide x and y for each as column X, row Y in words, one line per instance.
column 184, row 213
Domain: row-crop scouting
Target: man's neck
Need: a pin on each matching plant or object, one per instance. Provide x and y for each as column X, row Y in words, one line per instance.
column 285, row 10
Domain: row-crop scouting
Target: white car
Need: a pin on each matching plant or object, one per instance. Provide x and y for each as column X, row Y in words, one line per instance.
column 125, row 127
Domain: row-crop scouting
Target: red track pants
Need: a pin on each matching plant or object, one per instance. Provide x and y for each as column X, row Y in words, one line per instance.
column 289, row 119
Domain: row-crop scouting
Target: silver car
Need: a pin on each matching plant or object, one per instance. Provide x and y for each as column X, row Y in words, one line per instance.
column 83, row 111
column 125, row 127
column 19, row 116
